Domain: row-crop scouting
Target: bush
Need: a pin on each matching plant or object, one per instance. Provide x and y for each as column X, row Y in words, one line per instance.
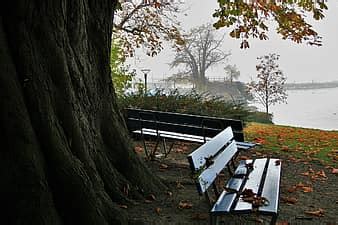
column 189, row 103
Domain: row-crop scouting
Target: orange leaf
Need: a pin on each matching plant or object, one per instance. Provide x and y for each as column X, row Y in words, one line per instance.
column 292, row 189
column 319, row 212
column 285, row 148
column 290, row 200
column 307, row 189
column 305, row 174
column 321, row 174
column 300, row 185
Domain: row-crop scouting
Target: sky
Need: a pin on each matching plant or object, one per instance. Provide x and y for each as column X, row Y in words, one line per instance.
column 299, row 62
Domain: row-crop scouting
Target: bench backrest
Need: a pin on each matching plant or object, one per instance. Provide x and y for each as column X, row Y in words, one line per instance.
column 181, row 123
column 212, row 157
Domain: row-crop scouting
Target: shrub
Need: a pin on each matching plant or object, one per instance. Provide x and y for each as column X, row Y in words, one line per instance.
column 189, row 103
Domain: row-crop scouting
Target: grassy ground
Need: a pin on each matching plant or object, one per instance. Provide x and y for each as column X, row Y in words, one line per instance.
column 308, row 186
column 301, row 143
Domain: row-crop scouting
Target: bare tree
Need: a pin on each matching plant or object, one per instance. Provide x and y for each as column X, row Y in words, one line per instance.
column 232, row 72
column 269, row 88
column 200, row 51
column 146, row 24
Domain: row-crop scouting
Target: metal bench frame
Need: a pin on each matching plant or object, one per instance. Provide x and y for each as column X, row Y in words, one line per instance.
column 261, row 176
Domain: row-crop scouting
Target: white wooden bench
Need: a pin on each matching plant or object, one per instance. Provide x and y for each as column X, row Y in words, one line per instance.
column 252, row 188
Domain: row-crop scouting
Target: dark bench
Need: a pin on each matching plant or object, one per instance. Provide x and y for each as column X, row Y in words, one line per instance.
column 177, row 126
column 253, row 186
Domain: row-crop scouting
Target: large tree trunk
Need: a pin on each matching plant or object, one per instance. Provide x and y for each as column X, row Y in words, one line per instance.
column 65, row 154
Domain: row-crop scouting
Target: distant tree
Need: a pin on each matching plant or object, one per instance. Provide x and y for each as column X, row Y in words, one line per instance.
column 251, row 19
column 200, row 51
column 146, row 24
column 269, row 88
column 232, row 72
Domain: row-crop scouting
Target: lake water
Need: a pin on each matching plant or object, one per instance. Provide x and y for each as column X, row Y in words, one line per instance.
column 313, row 108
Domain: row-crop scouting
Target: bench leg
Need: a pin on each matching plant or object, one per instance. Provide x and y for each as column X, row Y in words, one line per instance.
column 213, row 219
column 145, row 147
column 274, row 219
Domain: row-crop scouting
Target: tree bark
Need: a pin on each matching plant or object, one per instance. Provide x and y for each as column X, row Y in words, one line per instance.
column 66, row 157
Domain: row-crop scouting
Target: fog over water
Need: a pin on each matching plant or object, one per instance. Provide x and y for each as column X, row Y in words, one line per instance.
column 299, row 62
column 313, row 108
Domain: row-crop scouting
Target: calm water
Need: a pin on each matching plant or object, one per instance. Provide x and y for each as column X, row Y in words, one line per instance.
column 315, row 108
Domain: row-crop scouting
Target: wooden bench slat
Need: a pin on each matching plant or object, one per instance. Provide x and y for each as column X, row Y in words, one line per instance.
column 236, row 180
column 187, row 137
column 253, row 182
column 271, row 186
column 207, row 177
column 171, row 135
column 197, row 158
column 224, row 203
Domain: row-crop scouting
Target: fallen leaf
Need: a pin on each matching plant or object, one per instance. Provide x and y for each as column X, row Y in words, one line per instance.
column 290, row 200
column 260, row 140
column 259, row 220
column 179, row 150
column 243, row 157
column 321, row 174
column 307, row 189
column 123, row 206
column 184, row 205
column 292, row 189
column 334, row 171
column 147, row 201
column 318, row 213
column 305, row 174
column 179, row 185
column 300, row 185
column 163, row 166
column 277, row 163
column 158, row 210
column 138, row 149
column 285, row 148
column 169, row 193
column 151, row 197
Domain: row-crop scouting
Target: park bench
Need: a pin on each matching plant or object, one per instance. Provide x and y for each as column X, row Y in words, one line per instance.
column 176, row 126
column 253, row 186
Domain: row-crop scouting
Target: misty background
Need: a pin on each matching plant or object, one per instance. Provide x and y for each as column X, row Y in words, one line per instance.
column 301, row 63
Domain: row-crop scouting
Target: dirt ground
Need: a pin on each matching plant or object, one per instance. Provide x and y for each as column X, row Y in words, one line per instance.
column 309, row 193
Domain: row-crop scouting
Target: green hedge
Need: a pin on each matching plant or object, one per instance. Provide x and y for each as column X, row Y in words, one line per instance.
column 191, row 103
